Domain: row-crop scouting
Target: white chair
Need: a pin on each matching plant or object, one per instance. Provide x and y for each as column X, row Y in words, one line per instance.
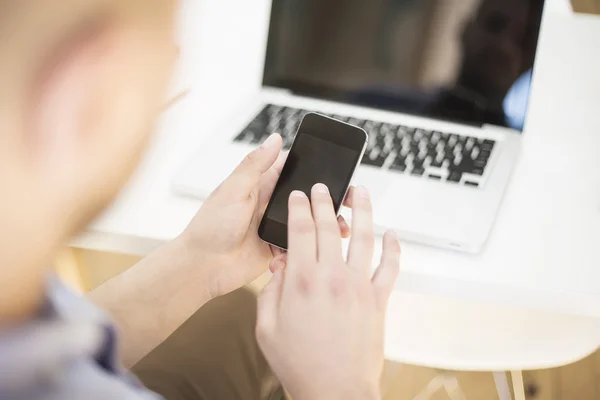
column 460, row 336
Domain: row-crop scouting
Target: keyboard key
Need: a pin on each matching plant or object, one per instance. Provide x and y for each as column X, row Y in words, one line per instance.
column 470, row 144
column 428, row 160
column 386, row 128
column 256, row 139
column 398, row 167
column 434, row 155
column 437, row 164
column 469, row 183
column 454, row 177
column 488, row 145
column 417, row 171
column 376, row 162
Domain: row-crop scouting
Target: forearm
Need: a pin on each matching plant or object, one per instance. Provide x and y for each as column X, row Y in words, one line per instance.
column 152, row 299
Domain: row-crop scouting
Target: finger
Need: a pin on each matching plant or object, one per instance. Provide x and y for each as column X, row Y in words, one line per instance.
column 278, row 263
column 280, row 162
column 360, row 252
column 344, row 227
column 329, row 243
column 348, row 199
column 246, row 177
column 387, row 272
column 302, row 239
column 266, row 186
column 268, row 304
column 276, row 251
column 269, row 180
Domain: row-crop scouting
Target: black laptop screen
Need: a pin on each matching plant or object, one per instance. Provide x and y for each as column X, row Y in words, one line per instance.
column 468, row 61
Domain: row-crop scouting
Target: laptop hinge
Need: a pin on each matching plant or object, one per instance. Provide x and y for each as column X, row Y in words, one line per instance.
column 499, row 129
column 277, row 90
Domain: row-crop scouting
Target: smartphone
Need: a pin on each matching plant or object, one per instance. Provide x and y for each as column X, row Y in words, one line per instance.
column 324, row 151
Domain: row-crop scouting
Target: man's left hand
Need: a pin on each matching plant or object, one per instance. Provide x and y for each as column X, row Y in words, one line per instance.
column 223, row 236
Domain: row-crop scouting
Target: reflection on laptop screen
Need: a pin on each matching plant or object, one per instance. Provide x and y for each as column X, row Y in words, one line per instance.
column 462, row 60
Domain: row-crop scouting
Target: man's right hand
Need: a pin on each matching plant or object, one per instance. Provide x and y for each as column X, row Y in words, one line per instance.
column 321, row 320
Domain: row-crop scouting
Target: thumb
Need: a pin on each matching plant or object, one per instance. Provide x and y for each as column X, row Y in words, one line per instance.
column 388, row 270
column 246, row 176
column 268, row 304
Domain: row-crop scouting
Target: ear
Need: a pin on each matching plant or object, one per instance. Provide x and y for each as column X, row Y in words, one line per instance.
column 76, row 106
column 62, row 100
column 94, row 111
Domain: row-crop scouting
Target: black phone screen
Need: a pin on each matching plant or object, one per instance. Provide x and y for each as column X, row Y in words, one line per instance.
column 324, row 151
column 313, row 160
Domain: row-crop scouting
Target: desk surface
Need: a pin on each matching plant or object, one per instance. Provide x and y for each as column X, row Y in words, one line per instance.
column 543, row 253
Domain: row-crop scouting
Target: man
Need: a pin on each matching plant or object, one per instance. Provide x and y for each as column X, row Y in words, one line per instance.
column 82, row 82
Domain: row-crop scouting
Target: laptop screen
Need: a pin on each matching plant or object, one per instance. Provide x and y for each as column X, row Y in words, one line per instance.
column 467, row 61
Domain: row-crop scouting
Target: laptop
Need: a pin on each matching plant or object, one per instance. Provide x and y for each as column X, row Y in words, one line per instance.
column 441, row 87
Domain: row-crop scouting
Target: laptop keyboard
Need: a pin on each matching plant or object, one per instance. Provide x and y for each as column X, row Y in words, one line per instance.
column 412, row 151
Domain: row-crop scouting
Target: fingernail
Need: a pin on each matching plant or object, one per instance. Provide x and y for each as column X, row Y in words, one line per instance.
column 270, row 142
column 362, row 191
column 393, row 235
column 321, row 188
column 298, row 193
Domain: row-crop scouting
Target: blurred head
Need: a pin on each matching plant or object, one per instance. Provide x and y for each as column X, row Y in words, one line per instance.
column 82, row 83
column 499, row 45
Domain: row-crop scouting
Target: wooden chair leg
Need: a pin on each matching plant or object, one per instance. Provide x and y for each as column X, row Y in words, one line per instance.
column 502, row 385
column 432, row 387
column 453, row 388
column 518, row 386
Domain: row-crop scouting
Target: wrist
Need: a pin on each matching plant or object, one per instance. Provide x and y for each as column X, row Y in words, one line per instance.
column 197, row 263
column 191, row 264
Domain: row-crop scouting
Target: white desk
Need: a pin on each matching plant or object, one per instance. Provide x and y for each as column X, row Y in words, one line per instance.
column 544, row 252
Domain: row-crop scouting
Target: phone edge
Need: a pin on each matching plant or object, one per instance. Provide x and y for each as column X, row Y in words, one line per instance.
column 357, row 164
